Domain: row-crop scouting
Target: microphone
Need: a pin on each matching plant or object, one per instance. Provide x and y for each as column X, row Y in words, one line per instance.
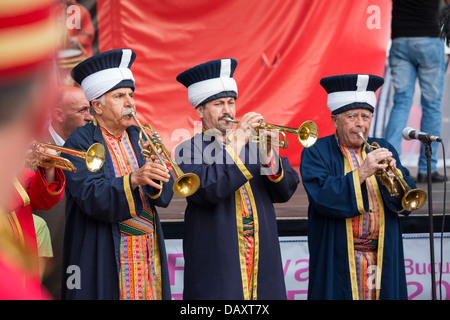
column 409, row 133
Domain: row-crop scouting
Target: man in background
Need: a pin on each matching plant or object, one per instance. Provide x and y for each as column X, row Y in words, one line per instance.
column 70, row 112
column 417, row 52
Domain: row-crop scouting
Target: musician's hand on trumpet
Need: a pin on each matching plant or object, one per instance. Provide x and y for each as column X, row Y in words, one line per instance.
column 383, row 165
column 150, row 154
column 267, row 138
column 245, row 128
column 374, row 162
column 35, row 157
column 150, row 174
column 306, row 134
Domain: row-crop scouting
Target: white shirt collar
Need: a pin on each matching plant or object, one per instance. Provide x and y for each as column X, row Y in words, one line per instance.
column 58, row 140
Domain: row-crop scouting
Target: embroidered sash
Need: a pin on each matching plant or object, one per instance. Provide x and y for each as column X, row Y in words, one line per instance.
column 249, row 241
column 365, row 229
column 247, row 248
column 140, row 267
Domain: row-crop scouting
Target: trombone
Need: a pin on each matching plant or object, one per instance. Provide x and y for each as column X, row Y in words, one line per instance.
column 94, row 156
column 185, row 184
column 306, row 134
column 413, row 199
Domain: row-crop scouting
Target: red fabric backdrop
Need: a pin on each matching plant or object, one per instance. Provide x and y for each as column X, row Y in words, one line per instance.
column 283, row 49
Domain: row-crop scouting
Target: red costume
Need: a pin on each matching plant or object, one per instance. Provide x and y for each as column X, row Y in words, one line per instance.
column 31, row 192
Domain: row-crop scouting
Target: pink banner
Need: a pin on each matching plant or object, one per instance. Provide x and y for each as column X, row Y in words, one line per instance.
column 295, row 260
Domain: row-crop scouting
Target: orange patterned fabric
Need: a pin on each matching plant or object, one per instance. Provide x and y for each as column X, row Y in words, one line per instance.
column 365, row 234
column 139, row 267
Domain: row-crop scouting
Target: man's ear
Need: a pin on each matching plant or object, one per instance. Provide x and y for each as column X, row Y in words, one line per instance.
column 334, row 119
column 97, row 106
column 58, row 115
column 199, row 111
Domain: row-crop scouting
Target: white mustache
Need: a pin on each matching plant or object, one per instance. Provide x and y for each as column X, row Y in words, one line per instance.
column 127, row 112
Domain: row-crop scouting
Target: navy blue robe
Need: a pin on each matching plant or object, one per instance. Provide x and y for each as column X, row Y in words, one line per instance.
column 333, row 201
column 213, row 235
column 95, row 203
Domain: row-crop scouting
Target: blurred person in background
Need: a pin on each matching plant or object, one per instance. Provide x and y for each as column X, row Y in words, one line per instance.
column 444, row 22
column 27, row 39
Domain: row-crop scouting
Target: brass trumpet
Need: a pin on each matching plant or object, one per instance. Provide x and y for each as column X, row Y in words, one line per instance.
column 185, row 184
column 413, row 199
column 307, row 133
column 94, row 156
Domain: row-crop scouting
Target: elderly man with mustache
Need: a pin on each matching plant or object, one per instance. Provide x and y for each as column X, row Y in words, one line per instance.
column 113, row 234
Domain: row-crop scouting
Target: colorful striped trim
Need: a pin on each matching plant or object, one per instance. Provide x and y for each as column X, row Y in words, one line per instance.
column 249, row 270
column 140, row 274
column 129, row 195
column 381, row 236
column 124, row 162
column 22, row 192
column 140, row 264
column 375, row 204
column 356, row 183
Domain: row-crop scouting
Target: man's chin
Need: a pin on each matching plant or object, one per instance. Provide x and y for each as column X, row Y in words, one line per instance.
column 127, row 121
column 225, row 128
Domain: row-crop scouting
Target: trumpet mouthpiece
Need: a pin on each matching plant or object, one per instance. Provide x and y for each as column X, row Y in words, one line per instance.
column 129, row 112
column 361, row 135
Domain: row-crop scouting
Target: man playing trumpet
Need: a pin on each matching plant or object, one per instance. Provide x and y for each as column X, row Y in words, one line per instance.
column 40, row 189
column 230, row 240
column 354, row 235
column 113, row 233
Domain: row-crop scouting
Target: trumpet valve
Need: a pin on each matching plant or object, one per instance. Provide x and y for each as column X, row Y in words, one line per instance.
column 145, row 153
column 156, row 138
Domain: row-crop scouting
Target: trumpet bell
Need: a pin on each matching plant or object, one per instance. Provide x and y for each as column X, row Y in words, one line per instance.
column 95, row 157
column 414, row 199
column 307, row 134
column 186, row 185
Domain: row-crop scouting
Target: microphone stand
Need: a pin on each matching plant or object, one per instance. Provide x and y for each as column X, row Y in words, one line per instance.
column 428, row 153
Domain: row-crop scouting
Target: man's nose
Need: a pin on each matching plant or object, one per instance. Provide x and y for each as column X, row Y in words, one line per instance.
column 129, row 101
column 359, row 121
column 87, row 115
column 226, row 108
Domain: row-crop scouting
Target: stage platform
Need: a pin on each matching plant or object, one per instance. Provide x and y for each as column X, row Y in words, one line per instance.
column 292, row 216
